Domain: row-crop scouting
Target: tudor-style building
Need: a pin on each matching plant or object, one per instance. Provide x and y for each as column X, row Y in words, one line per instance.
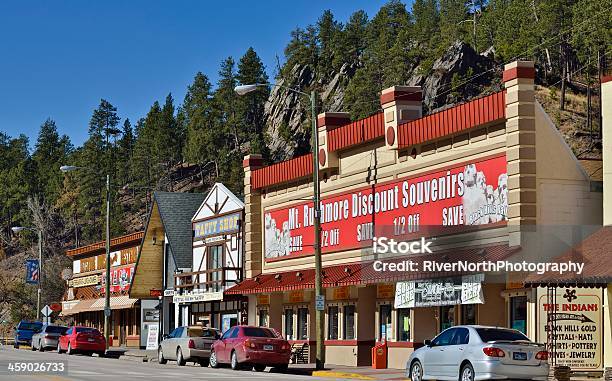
column 481, row 180
column 217, row 257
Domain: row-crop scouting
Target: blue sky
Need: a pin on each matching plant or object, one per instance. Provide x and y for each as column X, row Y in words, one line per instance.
column 58, row 58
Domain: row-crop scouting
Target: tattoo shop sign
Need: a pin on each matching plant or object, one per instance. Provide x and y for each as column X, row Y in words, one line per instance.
column 573, row 326
column 466, row 289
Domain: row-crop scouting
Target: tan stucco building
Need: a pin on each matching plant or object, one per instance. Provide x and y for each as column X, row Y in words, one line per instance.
column 477, row 180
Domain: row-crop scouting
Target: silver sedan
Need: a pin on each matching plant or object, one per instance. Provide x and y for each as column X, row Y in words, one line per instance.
column 47, row 337
column 472, row 352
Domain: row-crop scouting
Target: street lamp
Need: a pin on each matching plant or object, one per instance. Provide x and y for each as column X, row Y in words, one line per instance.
column 320, row 321
column 19, row 229
column 107, row 309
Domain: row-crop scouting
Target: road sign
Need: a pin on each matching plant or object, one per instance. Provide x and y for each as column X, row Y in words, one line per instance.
column 46, row 311
column 107, row 311
column 56, row 307
column 320, row 303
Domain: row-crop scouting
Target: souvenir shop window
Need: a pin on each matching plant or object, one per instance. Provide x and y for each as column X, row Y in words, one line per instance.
column 332, row 322
column 403, row 324
column 384, row 322
column 447, row 317
column 289, row 324
column 349, row 322
column 264, row 318
column 302, row 315
column 518, row 313
column 468, row 313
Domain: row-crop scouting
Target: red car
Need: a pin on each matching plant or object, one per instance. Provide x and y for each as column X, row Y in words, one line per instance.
column 247, row 347
column 83, row 340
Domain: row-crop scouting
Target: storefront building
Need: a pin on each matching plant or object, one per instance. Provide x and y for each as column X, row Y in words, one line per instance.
column 217, row 249
column 165, row 250
column 84, row 300
column 475, row 180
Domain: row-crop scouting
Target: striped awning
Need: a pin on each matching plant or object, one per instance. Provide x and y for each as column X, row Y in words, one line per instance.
column 86, row 305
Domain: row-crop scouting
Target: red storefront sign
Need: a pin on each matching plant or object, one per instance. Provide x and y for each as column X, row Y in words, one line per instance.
column 467, row 194
column 121, row 277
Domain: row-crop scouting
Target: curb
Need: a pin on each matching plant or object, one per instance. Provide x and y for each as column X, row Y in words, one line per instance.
column 332, row 374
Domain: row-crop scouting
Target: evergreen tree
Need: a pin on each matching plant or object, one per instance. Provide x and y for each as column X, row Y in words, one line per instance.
column 51, row 151
column 251, row 106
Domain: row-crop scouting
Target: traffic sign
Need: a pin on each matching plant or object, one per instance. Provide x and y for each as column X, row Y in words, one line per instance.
column 320, row 303
column 107, row 311
column 46, row 311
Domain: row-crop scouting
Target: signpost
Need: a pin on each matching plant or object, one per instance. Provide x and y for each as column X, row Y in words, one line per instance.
column 46, row 313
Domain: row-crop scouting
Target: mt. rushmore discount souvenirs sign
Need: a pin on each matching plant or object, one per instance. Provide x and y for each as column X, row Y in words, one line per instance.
column 471, row 193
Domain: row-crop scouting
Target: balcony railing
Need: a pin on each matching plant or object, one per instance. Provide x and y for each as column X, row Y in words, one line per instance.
column 213, row 280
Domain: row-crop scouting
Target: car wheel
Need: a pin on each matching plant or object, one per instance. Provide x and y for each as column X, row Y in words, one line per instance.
column 259, row 367
column 234, row 361
column 59, row 349
column 204, row 362
column 32, row 347
column 416, row 372
column 180, row 360
column 160, row 357
column 213, row 360
column 41, row 347
column 69, row 350
column 101, row 354
column 467, row 373
column 15, row 345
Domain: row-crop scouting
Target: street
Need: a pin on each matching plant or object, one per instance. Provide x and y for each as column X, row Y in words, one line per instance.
column 94, row 368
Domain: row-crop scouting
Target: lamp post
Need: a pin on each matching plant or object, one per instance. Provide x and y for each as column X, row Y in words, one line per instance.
column 107, row 309
column 18, row 229
column 319, row 318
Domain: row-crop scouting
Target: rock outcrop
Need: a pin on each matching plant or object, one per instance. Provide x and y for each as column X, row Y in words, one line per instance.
column 288, row 114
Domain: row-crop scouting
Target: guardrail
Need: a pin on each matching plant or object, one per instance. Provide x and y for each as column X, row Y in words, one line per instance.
column 7, row 340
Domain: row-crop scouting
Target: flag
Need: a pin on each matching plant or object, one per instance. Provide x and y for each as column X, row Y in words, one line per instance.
column 32, row 271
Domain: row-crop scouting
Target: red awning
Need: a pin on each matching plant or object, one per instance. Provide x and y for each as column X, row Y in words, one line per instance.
column 364, row 272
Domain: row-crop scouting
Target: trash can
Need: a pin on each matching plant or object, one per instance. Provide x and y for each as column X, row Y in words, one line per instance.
column 379, row 356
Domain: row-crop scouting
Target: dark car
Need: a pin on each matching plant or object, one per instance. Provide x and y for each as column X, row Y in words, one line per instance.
column 47, row 337
column 248, row 347
column 83, row 340
column 24, row 332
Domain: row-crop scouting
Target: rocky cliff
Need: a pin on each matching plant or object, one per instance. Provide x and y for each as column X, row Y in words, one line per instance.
column 287, row 113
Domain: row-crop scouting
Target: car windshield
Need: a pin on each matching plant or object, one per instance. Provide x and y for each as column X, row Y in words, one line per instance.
column 56, row 329
column 257, row 332
column 202, row 332
column 88, row 330
column 495, row 334
column 29, row 326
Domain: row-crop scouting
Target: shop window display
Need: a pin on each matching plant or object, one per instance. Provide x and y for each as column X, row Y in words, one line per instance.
column 289, row 324
column 447, row 317
column 403, row 324
column 518, row 313
column 332, row 323
column 302, row 323
column 384, row 322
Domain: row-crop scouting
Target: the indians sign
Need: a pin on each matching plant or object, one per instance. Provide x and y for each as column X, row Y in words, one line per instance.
column 472, row 193
column 573, row 327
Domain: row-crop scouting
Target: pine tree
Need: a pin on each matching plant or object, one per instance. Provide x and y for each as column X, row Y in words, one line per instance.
column 51, row 151
column 251, row 106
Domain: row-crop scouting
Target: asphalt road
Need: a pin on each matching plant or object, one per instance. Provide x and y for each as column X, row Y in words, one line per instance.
column 94, row 368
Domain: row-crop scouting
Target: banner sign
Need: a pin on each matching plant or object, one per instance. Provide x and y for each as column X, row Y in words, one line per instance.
column 121, row 278
column 152, row 337
column 473, row 193
column 576, row 323
column 84, row 281
column 445, row 292
column 215, row 226
column 197, row 297
column 32, row 271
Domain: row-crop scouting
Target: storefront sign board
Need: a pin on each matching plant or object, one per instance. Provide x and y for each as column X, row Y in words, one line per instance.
column 216, row 226
column 577, row 326
column 467, row 194
column 197, row 297
column 443, row 292
column 84, row 281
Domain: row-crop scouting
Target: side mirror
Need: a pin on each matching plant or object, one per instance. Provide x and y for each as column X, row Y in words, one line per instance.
column 165, row 336
column 427, row 343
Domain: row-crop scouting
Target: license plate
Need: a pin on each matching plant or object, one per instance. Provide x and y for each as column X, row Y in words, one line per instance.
column 268, row 347
column 519, row 356
column 90, row 340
